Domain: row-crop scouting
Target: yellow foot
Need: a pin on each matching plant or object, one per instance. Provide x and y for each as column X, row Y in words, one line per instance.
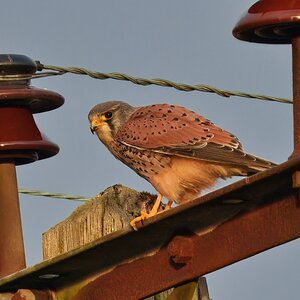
column 168, row 205
column 142, row 217
column 154, row 211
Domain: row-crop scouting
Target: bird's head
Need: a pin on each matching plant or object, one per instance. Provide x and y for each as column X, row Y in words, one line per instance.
column 106, row 118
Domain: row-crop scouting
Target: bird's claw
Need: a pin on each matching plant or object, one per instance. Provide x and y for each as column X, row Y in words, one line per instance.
column 154, row 211
column 141, row 218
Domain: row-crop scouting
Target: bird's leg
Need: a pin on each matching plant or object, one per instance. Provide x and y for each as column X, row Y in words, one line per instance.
column 168, row 205
column 145, row 215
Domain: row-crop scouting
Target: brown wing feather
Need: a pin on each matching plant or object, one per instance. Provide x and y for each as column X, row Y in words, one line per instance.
column 172, row 129
column 169, row 125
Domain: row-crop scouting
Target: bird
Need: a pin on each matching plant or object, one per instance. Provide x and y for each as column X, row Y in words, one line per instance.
column 175, row 149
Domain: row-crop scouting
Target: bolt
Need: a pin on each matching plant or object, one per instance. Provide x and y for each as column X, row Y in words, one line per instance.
column 181, row 249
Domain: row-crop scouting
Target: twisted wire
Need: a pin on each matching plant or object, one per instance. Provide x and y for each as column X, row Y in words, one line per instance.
column 156, row 81
column 53, row 195
column 56, row 70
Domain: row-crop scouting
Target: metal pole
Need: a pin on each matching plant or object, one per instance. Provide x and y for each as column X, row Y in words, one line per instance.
column 12, row 257
column 296, row 95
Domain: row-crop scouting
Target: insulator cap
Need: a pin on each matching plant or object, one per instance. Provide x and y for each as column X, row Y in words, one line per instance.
column 20, row 138
column 37, row 100
column 16, row 72
column 270, row 22
column 12, row 64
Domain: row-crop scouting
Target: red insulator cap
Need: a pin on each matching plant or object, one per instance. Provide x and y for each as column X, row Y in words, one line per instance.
column 16, row 72
column 20, row 139
column 37, row 100
column 270, row 22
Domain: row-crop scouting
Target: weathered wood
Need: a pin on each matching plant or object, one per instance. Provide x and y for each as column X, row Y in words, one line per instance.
column 109, row 211
column 188, row 291
column 203, row 289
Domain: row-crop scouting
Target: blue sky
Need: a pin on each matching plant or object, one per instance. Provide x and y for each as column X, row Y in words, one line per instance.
column 184, row 41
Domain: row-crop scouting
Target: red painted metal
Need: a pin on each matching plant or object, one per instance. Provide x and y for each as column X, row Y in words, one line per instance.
column 231, row 242
column 20, row 142
column 37, row 100
column 270, row 21
column 216, row 230
column 277, row 22
column 296, row 94
column 12, row 256
column 181, row 249
column 20, row 139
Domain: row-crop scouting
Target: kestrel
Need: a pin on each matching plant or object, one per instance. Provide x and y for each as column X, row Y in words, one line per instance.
column 178, row 151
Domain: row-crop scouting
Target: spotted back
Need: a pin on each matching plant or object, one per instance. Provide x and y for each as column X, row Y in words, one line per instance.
column 164, row 125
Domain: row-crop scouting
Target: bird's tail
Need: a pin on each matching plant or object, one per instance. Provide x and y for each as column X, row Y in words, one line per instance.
column 255, row 164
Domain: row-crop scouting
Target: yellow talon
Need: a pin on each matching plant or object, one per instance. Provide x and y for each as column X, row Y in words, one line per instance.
column 154, row 211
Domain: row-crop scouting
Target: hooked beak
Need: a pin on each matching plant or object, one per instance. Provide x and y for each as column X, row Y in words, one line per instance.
column 94, row 125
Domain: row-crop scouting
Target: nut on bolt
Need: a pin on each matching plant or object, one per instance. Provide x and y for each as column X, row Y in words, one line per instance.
column 181, row 249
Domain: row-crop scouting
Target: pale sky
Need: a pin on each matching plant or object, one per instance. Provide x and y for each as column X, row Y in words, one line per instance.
column 184, row 41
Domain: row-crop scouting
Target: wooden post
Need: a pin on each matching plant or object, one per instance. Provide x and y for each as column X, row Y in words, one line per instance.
column 111, row 210
column 203, row 289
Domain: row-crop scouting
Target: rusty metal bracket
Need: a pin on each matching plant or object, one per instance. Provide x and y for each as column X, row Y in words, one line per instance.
column 220, row 228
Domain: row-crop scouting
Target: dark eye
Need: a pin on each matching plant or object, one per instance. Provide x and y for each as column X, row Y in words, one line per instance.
column 108, row 115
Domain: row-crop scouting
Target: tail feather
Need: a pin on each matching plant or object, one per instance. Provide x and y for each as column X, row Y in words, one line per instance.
column 254, row 164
